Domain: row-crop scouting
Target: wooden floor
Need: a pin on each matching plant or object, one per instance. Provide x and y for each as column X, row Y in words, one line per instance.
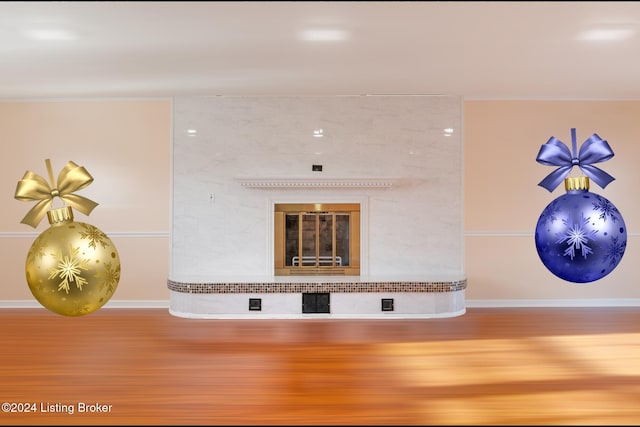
column 533, row 366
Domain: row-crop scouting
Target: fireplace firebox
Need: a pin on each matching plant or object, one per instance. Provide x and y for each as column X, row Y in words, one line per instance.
column 317, row 239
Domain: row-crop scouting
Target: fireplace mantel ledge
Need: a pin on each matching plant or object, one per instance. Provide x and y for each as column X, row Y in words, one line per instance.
column 306, row 182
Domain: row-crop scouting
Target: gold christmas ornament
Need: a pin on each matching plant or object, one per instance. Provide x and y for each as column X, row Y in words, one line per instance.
column 72, row 268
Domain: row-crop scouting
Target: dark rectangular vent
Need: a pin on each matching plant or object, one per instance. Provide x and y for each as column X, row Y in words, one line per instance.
column 315, row 302
column 255, row 304
column 387, row 304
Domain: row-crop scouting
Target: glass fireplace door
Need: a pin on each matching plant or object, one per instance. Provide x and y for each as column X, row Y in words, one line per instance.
column 310, row 240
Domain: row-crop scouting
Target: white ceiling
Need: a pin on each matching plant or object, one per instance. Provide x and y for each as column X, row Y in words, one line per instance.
column 478, row 50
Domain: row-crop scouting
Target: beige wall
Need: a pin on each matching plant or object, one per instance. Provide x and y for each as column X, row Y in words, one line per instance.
column 503, row 200
column 125, row 145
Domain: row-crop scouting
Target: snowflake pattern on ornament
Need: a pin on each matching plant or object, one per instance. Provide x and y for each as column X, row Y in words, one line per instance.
column 577, row 236
column 94, row 235
column 607, row 208
column 615, row 251
column 549, row 213
column 69, row 269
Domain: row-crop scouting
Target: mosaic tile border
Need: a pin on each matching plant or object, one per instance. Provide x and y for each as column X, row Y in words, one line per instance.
column 299, row 287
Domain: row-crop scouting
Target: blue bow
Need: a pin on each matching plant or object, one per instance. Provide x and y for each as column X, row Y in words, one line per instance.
column 556, row 153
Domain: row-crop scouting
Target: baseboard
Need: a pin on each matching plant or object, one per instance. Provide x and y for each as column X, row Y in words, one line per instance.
column 494, row 303
column 595, row 302
column 110, row 304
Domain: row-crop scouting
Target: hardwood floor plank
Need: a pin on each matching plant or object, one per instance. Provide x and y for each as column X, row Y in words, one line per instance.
column 515, row 366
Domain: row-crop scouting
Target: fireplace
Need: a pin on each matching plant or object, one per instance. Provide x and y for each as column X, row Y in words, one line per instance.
column 259, row 232
column 317, row 239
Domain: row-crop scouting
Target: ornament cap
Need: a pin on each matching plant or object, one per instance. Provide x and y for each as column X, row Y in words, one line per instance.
column 63, row 214
column 576, row 183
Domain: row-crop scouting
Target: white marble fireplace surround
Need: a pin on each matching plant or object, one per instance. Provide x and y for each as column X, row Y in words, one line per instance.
column 399, row 157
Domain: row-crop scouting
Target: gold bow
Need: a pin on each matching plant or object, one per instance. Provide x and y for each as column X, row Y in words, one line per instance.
column 34, row 187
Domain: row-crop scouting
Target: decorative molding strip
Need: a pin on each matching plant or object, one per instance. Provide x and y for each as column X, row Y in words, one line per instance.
column 516, row 233
column 498, row 233
column 127, row 234
column 258, row 182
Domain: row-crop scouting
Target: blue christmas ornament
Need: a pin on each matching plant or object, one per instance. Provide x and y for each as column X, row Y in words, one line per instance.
column 580, row 236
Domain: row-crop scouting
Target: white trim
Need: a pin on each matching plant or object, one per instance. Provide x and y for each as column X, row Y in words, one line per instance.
column 109, row 304
column 594, row 302
column 84, row 100
column 498, row 233
column 490, row 233
column 545, row 303
column 123, row 234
